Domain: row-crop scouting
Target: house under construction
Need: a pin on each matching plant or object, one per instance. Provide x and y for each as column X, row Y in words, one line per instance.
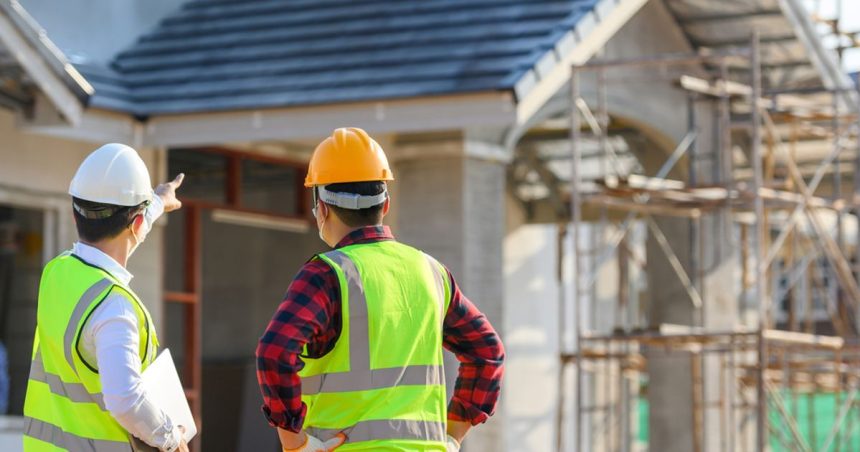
column 755, row 214
column 654, row 201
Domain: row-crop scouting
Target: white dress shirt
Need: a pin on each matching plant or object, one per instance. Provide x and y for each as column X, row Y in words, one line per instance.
column 110, row 340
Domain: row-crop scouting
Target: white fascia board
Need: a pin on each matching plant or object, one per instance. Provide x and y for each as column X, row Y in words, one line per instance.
column 40, row 71
column 575, row 47
column 95, row 126
column 402, row 115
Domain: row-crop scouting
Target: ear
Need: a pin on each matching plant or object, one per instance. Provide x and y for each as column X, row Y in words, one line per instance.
column 137, row 223
column 386, row 206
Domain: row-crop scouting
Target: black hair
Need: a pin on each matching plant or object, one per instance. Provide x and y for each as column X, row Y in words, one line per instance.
column 370, row 216
column 94, row 230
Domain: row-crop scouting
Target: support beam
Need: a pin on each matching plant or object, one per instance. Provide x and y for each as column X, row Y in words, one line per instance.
column 732, row 17
column 780, row 39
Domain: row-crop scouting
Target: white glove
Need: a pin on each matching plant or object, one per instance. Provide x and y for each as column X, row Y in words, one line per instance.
column 313, row 444
column 452, row 444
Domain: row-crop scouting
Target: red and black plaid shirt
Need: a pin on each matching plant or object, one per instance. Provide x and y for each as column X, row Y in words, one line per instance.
column 311, row 314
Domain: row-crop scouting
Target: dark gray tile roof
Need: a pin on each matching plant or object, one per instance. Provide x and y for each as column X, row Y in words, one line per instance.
column 215, row 55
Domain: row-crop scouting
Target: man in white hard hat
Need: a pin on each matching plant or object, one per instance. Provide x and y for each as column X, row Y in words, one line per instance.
column 94, row 337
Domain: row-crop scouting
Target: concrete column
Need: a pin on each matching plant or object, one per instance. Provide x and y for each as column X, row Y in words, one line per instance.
column 706, row 251
column 450, row 193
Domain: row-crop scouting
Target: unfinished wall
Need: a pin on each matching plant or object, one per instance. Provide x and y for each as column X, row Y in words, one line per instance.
column 531, row 340
column 657, row 108
column 660, row 110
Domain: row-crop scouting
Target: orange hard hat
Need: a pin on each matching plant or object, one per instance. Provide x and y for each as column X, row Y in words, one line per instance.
column 348, row 155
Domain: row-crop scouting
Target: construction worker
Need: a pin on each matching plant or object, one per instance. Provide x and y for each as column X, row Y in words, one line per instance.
column 352, row 359
column 94, row 337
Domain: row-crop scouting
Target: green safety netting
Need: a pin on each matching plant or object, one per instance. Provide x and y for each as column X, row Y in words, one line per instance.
column 814, row 429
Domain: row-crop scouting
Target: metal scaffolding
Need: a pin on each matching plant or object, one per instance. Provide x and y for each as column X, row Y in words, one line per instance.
column 793, row 354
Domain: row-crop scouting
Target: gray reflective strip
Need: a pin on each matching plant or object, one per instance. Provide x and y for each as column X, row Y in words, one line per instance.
column 359, row 335
column 52, row 434
column 76, row 392
column 379, row 378
column 80, row 309
column 388, row 429
column 440, row 284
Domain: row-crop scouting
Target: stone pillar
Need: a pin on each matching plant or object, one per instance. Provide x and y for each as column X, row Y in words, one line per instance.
column 450, row 196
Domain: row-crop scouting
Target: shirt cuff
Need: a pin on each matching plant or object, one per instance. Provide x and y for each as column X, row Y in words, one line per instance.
column 462, row 411
column 175, row 440
column 287, row 421
column 155, row 209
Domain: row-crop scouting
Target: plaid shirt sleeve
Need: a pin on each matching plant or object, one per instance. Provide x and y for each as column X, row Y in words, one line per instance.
column 469, row 335
column 307, row 316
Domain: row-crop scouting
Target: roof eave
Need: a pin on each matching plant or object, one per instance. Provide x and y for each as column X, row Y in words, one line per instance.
column 420, row 114
column 576, row 46
column 67, row 89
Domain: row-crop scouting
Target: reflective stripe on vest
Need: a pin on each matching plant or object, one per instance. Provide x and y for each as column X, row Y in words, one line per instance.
column 390, row 429
column 54, row 435
column 76, row 392
column 78, row 314
column 361, row 377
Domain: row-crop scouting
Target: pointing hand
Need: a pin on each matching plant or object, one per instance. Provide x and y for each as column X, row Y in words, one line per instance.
column 167, row 193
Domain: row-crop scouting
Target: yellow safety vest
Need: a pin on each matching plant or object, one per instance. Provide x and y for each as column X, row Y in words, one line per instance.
column 64, row 407
column 383, row 382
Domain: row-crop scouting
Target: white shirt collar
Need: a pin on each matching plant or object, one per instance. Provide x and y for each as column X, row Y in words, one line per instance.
column 95, row 256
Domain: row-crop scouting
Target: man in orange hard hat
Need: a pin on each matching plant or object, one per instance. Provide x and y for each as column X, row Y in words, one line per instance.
column 352, row 359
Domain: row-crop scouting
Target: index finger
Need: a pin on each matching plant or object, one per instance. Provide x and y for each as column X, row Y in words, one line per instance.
column 178, row 180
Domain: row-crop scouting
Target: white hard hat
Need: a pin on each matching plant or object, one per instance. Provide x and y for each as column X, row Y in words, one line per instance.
column 112, row 174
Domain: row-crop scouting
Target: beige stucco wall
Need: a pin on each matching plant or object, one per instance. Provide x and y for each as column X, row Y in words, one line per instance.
column 35, row 172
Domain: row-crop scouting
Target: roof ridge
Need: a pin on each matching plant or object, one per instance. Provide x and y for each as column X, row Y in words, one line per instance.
column 508, row 12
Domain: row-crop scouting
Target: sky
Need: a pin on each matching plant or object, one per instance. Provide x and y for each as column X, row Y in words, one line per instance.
column 850, row 21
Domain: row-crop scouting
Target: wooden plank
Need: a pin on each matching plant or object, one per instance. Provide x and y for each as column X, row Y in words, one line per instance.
column 792, row 337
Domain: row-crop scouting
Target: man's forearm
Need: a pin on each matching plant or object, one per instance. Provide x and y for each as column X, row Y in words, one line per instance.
column 458, row 429
column 149, row 424
column 291, row 440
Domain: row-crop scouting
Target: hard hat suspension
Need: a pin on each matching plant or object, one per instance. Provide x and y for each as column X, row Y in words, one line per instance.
column 351, row 201
column 98, row 211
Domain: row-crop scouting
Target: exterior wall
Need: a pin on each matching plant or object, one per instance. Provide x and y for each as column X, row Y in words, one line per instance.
column 532, row 338
column 111, row 25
